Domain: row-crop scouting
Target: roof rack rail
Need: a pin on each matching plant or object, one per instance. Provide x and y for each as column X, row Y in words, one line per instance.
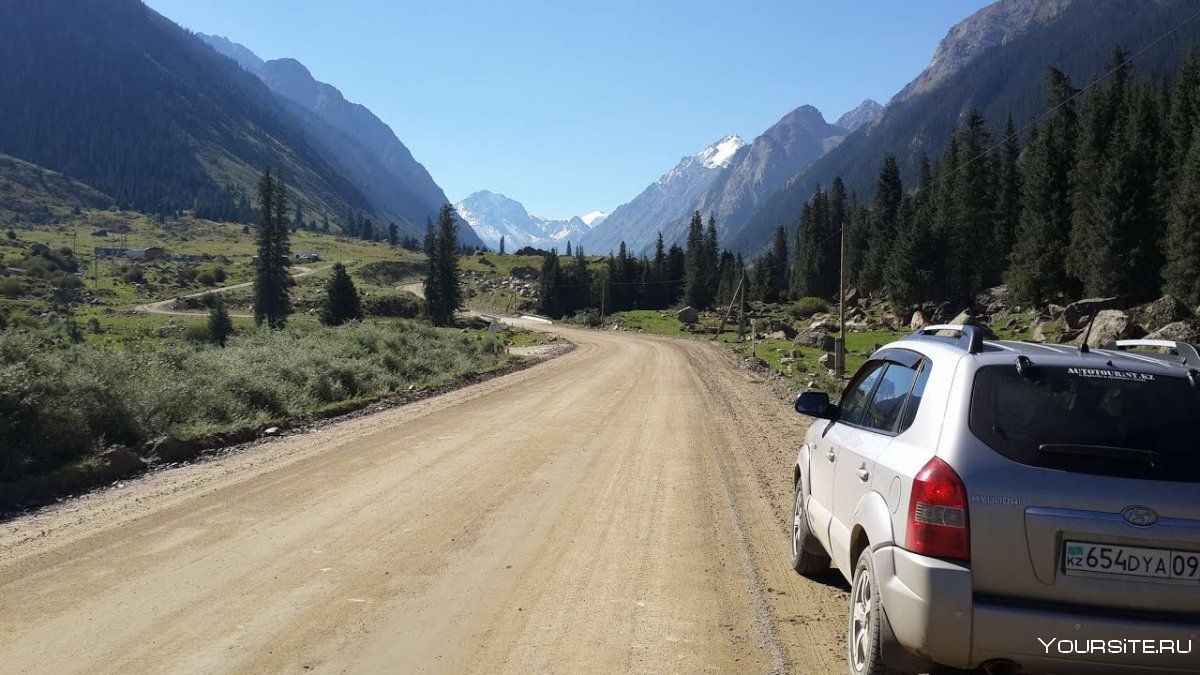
column 969, row 338
column 1184, row 352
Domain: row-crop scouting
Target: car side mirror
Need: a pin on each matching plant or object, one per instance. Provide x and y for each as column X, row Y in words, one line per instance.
column 816, row 404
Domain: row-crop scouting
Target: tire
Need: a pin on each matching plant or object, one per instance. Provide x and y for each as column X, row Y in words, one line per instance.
column 808, row 556
column 864, row 635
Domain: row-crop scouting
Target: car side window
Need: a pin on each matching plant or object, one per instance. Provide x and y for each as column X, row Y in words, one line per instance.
column 854, row 401
column 890, row 396
column 914, row 401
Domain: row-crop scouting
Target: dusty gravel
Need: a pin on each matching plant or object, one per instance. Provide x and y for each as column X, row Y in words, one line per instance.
column 622, row 508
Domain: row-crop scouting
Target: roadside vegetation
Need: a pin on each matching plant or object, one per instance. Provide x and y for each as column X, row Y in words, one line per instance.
column 81, row 370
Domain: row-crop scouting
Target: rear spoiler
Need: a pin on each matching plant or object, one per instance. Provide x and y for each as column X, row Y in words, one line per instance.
column 1182, row 352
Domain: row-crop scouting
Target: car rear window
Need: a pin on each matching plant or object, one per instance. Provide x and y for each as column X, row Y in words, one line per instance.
column 1091, row 420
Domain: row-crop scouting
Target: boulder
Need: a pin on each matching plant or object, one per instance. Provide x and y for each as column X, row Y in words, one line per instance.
column 526, row 273
column 1077, row 313
column 1111, row 325
column 783, row 327
column 817, row 339
column 993, row 300
column 119, row 461
column 1179, row 331
column 852, row 297
column 1055, row 311
column 918, row 320
column 170, row 449
column 688, row 316
column 963, row 318
column 1162, row 312
column 826, row 361
column 1047, row 331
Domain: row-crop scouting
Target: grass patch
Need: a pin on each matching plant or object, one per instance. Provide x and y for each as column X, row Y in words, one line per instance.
column 60, row 404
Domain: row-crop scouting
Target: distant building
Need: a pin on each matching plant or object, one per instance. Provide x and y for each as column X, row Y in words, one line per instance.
column 152, row 253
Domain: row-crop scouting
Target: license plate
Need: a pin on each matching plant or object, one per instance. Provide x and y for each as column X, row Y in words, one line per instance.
column 1131, row 562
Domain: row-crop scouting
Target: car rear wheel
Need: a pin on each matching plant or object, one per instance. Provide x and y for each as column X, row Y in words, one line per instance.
column 808, row 556
column 865, row 630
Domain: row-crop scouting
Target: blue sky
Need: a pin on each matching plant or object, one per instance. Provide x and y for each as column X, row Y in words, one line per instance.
column 574, row 106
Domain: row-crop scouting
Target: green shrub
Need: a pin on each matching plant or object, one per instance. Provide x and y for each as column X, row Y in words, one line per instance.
column 57, row 404
column 11, row 287
column 806, row 307
column 206, row 278
column 398, row 305
column 133, row 275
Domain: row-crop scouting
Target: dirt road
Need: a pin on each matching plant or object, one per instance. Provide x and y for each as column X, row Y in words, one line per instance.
column 167, row 306
column 622, row 508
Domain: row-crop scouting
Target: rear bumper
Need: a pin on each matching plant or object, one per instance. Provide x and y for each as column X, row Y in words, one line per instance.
column 933, row 614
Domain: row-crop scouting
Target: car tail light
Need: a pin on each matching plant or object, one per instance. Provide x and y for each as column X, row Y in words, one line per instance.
column 937, row 513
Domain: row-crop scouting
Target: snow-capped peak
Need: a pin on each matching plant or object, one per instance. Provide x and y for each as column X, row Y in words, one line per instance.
column 594, row 218
column 717, row 155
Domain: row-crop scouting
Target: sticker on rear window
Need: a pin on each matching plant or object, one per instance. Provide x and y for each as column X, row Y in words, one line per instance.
column 1104, row 374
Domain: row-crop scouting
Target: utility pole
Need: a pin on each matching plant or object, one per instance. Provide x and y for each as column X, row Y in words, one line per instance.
column 603, row 297
column 729, row 309
column 839, row 345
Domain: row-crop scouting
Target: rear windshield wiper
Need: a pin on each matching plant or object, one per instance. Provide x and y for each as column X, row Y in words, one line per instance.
column 1106, row 451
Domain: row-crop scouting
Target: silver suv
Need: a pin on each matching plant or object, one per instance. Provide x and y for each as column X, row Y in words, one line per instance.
column 1010, row 507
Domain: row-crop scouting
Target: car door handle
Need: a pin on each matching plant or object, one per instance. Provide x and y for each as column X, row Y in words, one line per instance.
column 863, row 474
column 830, row 455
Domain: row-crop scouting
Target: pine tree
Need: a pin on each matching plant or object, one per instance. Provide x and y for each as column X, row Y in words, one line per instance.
column 298, row 218
column 220, row 325
column 908, row 275
column 676, row 273
column 695, row 282
column 272, row 302
column 779, row 258
column 882, row 224
column 443, row 294
column 712, row 253
column 805, row 259
column 1101, row 121
column 1008, row 204
column 970, row 180
column 569, row 254
column 393, row 235
column 549, row 302
column 1181, row 274
column 502, row 245
column 1037, row 268
column 342, row 304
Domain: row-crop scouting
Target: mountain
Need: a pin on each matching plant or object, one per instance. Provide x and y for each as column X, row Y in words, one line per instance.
column 244, row 57
column 759, row 170
column 31, row 194
column 353, row 139
column 863, row 114
column 493, row 215
column 638, row 222
column 594, row 218
column 994, row 61
column 113, row 95
column 994, row 25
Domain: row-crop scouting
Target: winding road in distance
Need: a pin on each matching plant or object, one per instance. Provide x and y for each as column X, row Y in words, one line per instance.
column 621, row 508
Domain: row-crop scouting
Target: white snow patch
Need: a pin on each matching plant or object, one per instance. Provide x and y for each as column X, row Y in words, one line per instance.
column 594, row 218
column 718, row 154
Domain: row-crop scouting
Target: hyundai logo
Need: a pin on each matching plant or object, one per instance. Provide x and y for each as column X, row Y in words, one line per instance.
column 1141, row 516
